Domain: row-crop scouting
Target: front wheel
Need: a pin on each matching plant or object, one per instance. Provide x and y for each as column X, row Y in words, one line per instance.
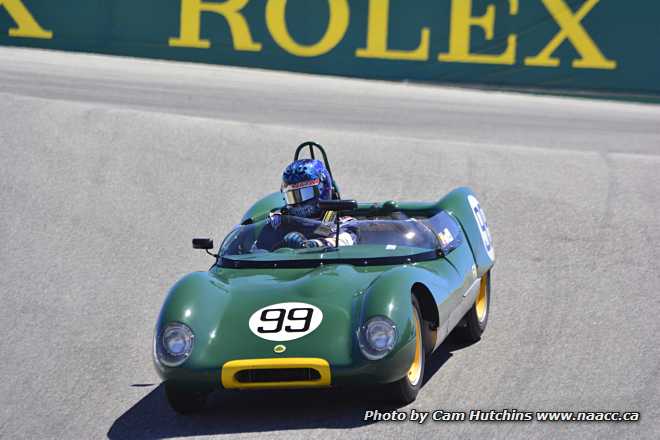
column 405, row 390
column 182, row 401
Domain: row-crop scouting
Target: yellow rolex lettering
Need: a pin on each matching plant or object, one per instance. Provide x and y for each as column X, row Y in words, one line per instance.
column 191, row 16
column 571, row 29
column 377, row 33
column 335, row 31
column 26, row 25
column 462, row 22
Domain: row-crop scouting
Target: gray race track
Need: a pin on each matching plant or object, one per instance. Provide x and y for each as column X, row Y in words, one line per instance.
column 108, row 166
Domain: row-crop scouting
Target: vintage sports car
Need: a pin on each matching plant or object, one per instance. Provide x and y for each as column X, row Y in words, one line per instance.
column 268, row 316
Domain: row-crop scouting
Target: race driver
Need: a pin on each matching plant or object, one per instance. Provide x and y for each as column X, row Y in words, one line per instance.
column 304, row 183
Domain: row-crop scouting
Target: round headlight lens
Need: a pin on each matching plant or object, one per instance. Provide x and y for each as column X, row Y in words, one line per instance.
column 174, row 344
column 175, row 341
column 377, row 337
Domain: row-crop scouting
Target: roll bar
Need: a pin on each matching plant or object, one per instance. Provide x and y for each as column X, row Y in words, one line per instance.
column 312, row 146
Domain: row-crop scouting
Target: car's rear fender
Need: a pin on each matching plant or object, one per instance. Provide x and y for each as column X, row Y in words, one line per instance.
column 262, row 207
column 464, row 206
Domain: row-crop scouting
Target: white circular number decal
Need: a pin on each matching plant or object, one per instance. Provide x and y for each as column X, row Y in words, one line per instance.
column 483, row 226
column 285, row 321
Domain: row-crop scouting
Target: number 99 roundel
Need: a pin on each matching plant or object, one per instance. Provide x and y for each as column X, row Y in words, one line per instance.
column 285, row 321
column 480, row 217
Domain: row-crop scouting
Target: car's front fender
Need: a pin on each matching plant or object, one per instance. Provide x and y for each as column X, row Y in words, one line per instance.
column 390, row 296
column 199, row 301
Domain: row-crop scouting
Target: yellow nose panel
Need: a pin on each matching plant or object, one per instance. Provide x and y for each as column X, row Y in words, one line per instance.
column 276, row 373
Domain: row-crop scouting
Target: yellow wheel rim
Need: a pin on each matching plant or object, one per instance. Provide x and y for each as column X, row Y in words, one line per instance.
column 415, row 371
column 482, row 299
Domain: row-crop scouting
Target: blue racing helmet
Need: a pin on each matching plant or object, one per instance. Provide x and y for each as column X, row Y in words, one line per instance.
column 304, row 183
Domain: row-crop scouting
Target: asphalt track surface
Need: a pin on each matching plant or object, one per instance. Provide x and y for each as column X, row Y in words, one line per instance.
column 108, row 166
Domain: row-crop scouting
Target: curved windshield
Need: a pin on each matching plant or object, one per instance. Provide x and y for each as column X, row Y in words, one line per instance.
column 263, row 238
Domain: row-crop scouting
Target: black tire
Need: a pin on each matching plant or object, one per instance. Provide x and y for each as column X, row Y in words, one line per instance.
column 183, row 401
column 405, row 390
column 475, row 320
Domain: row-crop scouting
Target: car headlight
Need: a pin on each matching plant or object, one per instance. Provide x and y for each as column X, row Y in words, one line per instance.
column 377, row 337
column 174, row 344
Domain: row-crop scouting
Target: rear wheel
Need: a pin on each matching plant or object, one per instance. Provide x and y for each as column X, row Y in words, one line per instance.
column 476, row 318
column 405, row 389
column 183, row 401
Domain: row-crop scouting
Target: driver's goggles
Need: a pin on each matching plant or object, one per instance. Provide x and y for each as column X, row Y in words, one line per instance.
column 296, row 194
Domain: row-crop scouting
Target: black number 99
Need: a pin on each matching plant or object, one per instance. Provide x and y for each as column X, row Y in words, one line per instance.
column 278, row 316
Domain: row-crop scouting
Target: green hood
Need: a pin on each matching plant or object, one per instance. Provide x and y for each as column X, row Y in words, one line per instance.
column 217, row 306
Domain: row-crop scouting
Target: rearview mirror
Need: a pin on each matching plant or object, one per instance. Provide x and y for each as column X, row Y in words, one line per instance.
column 338, row 205
column 202, row 243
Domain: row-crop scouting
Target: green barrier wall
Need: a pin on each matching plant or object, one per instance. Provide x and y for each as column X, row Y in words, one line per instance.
column 610, row 46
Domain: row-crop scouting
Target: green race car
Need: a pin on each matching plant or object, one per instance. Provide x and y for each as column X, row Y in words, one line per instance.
column 268, row 316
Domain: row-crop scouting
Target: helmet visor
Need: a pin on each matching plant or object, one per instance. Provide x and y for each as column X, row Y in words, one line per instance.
column 299, row 195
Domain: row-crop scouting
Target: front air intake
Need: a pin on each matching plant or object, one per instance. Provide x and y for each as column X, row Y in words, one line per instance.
column 277, row 375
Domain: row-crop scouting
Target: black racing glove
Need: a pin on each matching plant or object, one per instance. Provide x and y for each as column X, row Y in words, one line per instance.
column 294, row 240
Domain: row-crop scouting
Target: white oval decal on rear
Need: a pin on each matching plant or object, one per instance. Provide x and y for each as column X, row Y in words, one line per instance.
column 480, row 217
column 285, row 321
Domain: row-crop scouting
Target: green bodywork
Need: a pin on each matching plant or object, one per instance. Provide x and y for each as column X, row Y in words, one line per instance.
column 218, row 303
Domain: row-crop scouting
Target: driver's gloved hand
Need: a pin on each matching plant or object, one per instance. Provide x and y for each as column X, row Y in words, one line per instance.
column 294, row 240
column 274, row 219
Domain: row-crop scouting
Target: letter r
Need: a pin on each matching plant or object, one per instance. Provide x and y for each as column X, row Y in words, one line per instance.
column 191, row 12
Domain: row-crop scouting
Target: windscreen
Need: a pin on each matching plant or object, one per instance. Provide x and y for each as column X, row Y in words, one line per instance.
column 263, row 237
